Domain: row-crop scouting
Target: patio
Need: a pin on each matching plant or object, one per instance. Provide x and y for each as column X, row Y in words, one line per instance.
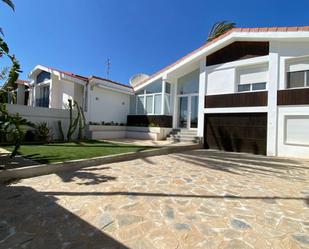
column 196, row 199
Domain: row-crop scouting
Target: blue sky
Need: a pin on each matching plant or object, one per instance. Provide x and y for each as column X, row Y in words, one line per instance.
column 137, row 35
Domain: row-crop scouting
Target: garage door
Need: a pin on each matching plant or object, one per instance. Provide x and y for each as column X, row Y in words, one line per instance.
column 238, row 132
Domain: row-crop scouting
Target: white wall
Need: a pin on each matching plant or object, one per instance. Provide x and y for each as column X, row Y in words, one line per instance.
column 20, row 94
column 55, row 100
column 221, row 81
column 293, row 131
column 288, row 52
column 41, row 114
column 223, row 78
column 106, row 105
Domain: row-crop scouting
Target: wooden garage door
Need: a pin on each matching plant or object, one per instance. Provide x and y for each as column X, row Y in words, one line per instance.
column 238, row 132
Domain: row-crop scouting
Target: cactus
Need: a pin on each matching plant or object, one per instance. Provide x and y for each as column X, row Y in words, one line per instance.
column 60, row 130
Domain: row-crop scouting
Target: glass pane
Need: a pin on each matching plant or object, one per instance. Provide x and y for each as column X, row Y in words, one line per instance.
column 154, row 87
column 194, row 111
column 167, row 105
column 157, row 104
column 189, row 83
column 42, row 76
column 243, row 88
column 307, row 76
column 183, row 112
column 149, row 103
column 167, row 87
column 259, row 86
column 133, row 104
column 296, row 79
column 140, row 105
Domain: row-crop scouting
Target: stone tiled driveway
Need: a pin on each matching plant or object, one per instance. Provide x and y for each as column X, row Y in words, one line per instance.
column 197, row 199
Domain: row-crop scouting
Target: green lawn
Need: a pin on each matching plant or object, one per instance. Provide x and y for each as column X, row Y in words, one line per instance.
column 60, row 152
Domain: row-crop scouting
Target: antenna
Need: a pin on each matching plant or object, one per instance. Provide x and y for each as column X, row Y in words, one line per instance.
column 108, row 67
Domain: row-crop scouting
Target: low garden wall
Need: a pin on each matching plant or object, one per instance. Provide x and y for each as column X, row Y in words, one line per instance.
column 41, row 114
column 135, row 132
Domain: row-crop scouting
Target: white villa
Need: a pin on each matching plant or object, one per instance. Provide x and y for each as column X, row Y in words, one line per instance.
column 246, row 91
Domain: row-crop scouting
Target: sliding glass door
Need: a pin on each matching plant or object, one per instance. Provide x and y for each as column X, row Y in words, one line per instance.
column 187, row 111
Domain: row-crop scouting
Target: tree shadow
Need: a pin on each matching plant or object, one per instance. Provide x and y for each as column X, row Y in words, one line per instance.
column 244, row 164
column 85, row 178
column 31, row 219
column 17, row 162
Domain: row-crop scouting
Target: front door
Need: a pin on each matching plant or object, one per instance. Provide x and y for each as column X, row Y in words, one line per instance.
column 188, row 111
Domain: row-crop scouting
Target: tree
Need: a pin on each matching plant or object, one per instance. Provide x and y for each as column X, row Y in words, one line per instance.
column 4, row 51
column 219, row 28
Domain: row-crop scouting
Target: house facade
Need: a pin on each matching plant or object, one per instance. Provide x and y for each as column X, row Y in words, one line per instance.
column 245, row 91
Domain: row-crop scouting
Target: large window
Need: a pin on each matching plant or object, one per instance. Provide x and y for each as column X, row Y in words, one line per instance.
column 189, row 83
column 42, row 76
column 298, row 79
column 43, row 97
column 149, row 99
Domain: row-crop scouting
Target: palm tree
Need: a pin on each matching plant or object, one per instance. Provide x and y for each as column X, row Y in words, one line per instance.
column 4, row 51
column 219, row 28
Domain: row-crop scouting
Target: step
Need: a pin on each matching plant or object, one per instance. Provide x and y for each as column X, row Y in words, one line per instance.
column 183, row 136
column 183, row 140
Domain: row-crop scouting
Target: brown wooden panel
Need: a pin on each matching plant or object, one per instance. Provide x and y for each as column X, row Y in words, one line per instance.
column 238, row 132
column 237, row 51
column 236, row 100
column 293, row 97
column 145, row 120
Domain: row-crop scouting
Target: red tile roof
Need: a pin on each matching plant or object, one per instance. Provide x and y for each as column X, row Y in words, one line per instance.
column 265, row 29
column 87, row 78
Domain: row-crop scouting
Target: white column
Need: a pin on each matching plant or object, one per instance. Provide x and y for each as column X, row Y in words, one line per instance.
column 273, row 83
column 201, row 98
column 163, row 94
column 174, row 103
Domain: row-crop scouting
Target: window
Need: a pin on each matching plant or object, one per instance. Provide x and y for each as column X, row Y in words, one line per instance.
column 149, row 104
column 251, row 87
column 43, row 98
column 298, row 79
column 42, row 76
column 244, row 88
column 140, row 105
column 157, row 103
column 167, row 87
column 189, row 83
column 258, row 86
column 155, row 87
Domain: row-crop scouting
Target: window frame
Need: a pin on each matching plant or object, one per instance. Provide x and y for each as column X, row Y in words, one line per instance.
column 305, row 83
column 251, row 87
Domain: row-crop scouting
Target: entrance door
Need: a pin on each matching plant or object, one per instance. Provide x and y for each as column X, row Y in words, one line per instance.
column 188, row 111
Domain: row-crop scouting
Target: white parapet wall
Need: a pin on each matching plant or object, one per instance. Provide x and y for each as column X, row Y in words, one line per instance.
column 134, row 132
column 40, row 114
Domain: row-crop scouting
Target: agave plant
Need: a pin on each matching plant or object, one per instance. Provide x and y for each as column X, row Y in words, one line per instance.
column 219, row 28
column 43, row 131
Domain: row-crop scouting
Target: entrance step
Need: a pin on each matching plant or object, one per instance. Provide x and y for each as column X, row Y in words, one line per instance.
column 184, row 135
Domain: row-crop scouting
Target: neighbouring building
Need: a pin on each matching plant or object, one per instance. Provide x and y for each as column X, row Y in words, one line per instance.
column 245, row 91
column 17, row 94
column 103, row 100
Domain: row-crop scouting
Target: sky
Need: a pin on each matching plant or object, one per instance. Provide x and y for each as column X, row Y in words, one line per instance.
column 138, row 36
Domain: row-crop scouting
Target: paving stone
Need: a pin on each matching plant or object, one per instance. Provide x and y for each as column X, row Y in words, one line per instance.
column 238, row 224
column 303, row 239
column 181, row 226
column 125, row 220
column 181, row 205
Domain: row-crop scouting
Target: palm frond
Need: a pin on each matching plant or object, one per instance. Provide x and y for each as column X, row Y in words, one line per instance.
column 9, row 3
column 219, row 28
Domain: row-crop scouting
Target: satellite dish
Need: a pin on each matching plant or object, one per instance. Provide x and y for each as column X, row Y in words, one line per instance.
column 138, row 78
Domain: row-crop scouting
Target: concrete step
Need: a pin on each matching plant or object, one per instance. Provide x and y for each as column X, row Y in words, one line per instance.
column 183, row 140
column 183, row 136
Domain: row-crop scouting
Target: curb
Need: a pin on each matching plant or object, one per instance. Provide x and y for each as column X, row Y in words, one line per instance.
column 45, row 169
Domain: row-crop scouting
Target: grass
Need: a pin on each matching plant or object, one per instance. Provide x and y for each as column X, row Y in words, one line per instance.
column 61, row 152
